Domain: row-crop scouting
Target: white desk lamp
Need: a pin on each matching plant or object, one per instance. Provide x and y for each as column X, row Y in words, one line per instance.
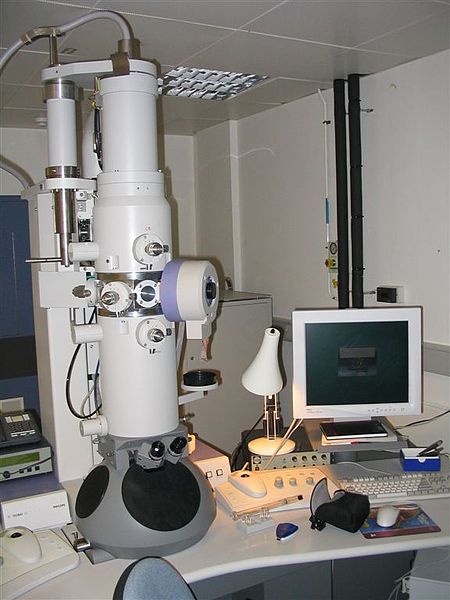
column 263, row 377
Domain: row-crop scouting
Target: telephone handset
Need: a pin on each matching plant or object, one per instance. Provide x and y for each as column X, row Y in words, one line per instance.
column 18, row 428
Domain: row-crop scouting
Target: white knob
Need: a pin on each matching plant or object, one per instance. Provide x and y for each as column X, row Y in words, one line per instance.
column 97, row 426
column 84, row 334
column 79, row 251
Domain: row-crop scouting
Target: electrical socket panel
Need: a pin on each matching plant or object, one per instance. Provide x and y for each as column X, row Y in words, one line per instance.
column 216, row 469
column 391, row 294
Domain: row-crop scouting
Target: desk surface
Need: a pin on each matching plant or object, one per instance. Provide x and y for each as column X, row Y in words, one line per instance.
column 225, row 549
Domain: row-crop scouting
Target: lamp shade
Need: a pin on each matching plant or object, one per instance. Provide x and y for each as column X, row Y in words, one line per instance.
column 263, row 376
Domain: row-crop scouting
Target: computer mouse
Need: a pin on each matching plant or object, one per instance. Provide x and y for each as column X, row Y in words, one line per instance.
column 22, row 544
column 248, row 482
column 387, row 515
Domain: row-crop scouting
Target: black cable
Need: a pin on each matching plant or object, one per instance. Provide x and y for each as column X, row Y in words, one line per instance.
column 96, row 386
column 424, row 420
column 237, row 451
column 69, row 377
column 98, row 149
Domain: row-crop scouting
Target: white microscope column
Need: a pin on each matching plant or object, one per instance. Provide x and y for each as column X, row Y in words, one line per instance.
column 138, row 384
column 62, row 138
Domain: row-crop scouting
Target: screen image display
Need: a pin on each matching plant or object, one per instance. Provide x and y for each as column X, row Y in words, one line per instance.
column 356, row 363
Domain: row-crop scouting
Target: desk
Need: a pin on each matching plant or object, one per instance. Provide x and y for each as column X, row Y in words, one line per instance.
column 239, row 559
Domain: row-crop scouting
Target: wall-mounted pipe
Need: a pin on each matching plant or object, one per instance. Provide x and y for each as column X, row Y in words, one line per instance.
column 340, row 137
column 354, row 125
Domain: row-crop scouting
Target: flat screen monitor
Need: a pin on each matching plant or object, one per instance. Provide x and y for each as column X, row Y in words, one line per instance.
column 357, row 363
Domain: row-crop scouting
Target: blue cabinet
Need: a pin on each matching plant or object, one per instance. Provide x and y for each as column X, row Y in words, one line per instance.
column 17, row 345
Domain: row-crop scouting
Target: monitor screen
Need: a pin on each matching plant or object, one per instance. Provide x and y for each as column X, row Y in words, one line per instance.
column 357, row 363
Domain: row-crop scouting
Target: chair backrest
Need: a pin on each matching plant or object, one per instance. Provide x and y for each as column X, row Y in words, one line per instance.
column 152, row 578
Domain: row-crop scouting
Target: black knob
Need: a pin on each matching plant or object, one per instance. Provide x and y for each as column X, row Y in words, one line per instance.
column 177, row 446
column 211, row 290
column 16, row 534
column 6, row 474
column 157, row 450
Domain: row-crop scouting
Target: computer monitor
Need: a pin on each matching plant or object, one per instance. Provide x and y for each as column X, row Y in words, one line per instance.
column 357, row 364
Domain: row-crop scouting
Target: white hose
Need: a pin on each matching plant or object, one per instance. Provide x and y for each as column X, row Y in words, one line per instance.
column 9, row 53
column 125, row 28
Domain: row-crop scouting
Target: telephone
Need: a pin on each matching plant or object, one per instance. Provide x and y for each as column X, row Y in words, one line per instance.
column 18, row 428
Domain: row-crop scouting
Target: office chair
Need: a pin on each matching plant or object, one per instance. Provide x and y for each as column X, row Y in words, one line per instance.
column 152, row 578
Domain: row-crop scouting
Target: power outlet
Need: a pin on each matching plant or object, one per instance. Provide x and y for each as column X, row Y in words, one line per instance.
column 391, row 294
column 216, row 469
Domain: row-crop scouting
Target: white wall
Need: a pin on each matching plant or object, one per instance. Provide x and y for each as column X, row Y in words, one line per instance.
column 214, row 198
column 178, row 165
column 27, row 148
column 405, row 184
column 282, row 183
column 406, row 161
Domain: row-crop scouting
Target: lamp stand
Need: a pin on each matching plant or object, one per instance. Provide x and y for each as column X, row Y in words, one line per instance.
column 267, row 446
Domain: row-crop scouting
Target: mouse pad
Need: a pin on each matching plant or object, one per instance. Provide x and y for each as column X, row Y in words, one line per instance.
column 411, row 520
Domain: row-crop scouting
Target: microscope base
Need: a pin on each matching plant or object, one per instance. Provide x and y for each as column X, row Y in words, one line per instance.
column 137, row 513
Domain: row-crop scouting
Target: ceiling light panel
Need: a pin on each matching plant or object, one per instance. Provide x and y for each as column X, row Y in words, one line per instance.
column 207, row 84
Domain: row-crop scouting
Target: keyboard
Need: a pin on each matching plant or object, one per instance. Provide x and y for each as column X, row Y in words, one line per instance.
column 411, row 486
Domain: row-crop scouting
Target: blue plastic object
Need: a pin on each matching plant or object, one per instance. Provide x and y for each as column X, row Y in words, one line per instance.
column 411, row 462
column 285, row 531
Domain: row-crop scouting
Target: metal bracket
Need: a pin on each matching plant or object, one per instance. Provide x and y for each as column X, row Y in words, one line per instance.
column 38, row 32
column 120, row 63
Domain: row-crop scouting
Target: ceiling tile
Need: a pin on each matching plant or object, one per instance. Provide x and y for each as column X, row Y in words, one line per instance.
column 201, row 33
column 81, row 3
column 346, row 23
column 357, row 61
column 19, row 118
column 174, row 107
column 17, row 17
column 421, row 39
column 189, row 126
column 182, row 109
column 25, row 67
column 222, row 13
column 239, row 107
column 20, row 96
column 7, row 93
column 169, row 42
column 280, row 90
column 264, row 55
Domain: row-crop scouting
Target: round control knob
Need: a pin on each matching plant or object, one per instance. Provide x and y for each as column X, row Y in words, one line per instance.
column 110, row 298
column 148, row 293
column 156, row 335
column 278, row 483
column 292, row 481
column 154, row 249
column 178, row 445
column 6, row 474
column 310, row 480
column 157, row 450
